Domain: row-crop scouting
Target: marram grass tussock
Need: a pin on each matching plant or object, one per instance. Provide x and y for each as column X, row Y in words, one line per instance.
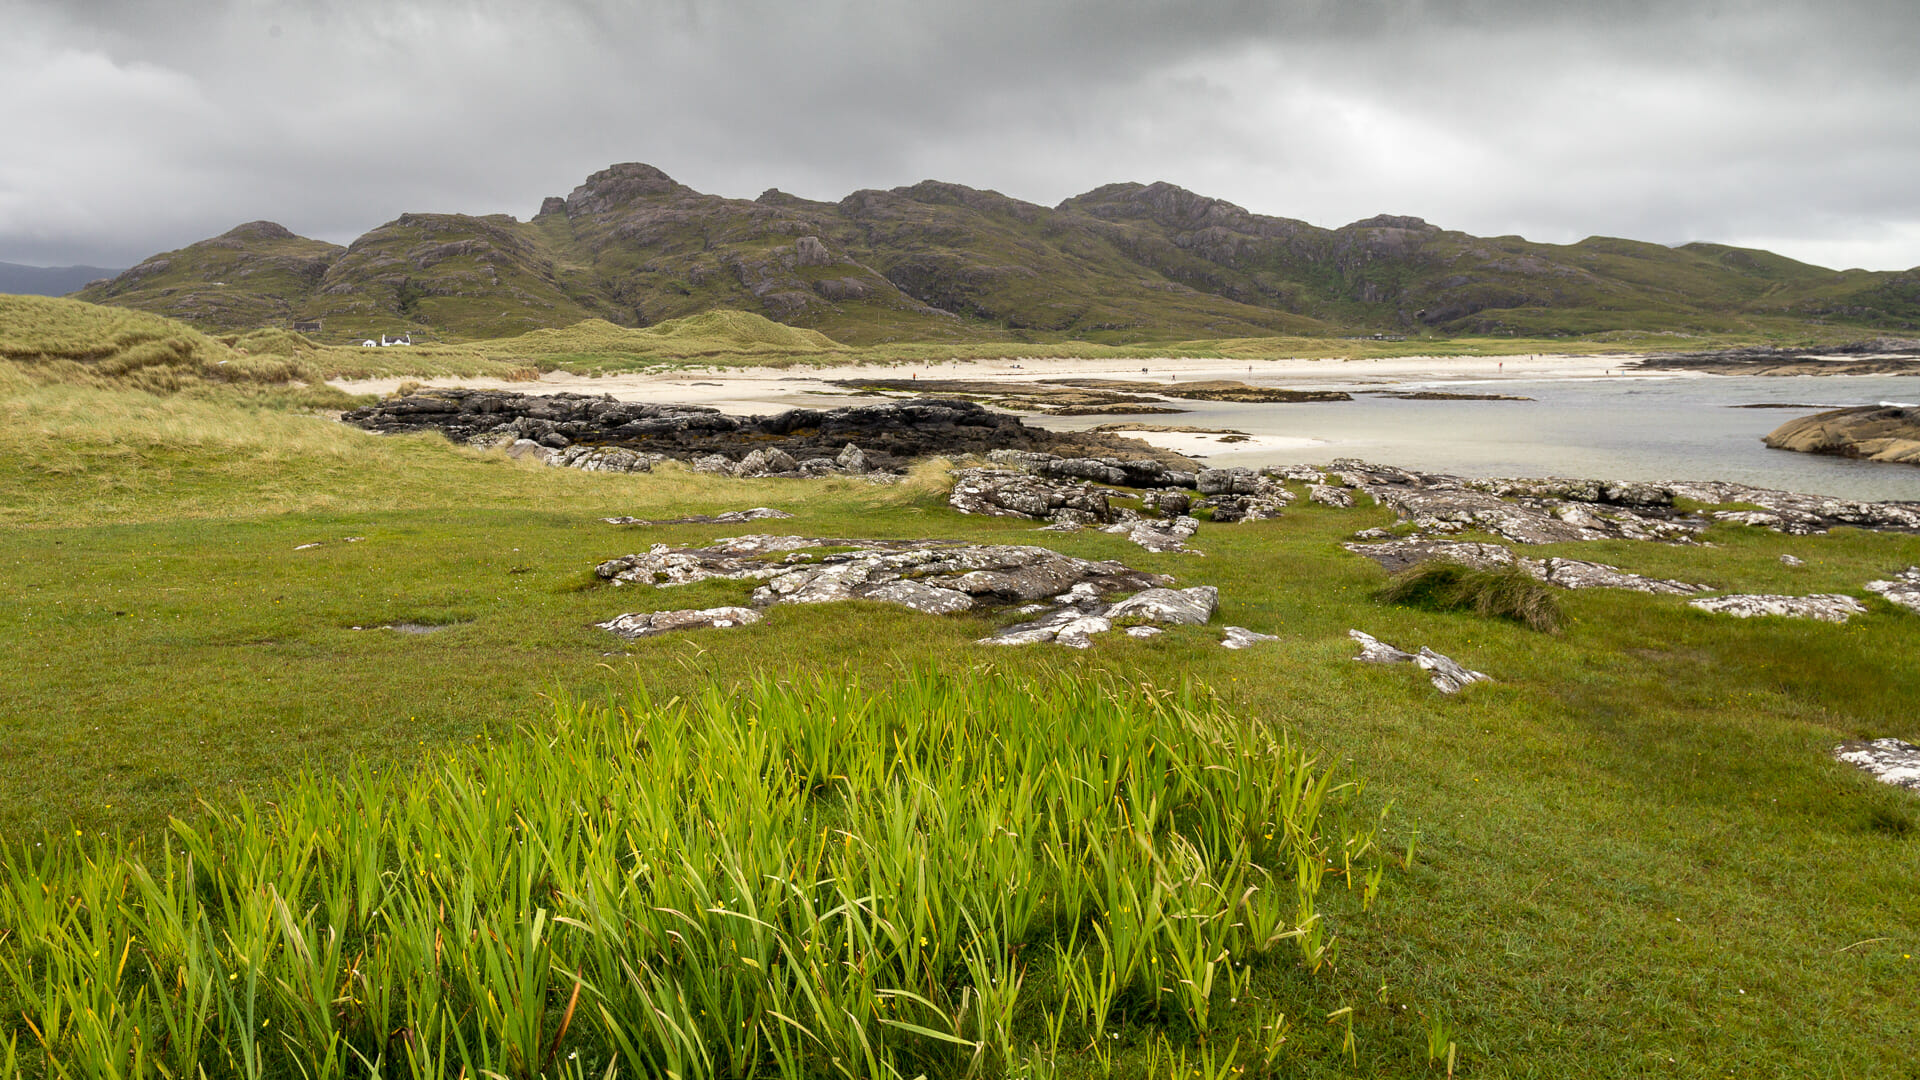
column 956, row 876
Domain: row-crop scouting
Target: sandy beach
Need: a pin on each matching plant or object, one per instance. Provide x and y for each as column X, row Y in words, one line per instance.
column 750, row 390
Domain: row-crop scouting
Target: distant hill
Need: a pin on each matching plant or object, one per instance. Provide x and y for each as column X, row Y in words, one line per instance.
column 939, row 261
column 48, row 280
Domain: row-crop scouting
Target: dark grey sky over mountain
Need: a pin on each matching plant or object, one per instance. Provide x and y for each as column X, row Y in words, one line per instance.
column 134, row 126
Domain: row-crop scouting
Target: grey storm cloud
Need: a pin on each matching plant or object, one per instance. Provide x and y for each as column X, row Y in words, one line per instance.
column 133, row 127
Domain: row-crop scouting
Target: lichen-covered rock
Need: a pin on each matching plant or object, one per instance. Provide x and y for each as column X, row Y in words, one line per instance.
column 1903, row 589
column 1447, row 675
column 1169, row 607
column 1010, row 493
column 1890, row 761
column 1397, row 555
column 1156, row 536
column 1375, row 651
column 938, row 577
column 729, row 517
column 1239, row 637
column 1875, row 432
column 648, row 623
column 1328, row 495
column 1826, row 607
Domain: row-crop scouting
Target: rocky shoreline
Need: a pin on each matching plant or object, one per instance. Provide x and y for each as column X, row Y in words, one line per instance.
column 1883, row 356
column 600, row 433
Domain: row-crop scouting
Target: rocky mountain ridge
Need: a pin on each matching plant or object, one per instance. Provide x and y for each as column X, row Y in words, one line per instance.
column 935, row 260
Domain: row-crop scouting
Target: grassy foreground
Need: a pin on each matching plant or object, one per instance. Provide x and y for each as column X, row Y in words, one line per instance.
column 1631, row 853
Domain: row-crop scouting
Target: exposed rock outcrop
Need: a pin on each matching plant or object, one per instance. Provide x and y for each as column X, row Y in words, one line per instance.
column 1874, row 432
column 649, row 623
column 1890, row 761
column 1080, row 614
column 938, row 577
column 1397, row 555
column 1904, row 589
column 1447, row 675
column 798, row 442
column 730, row 517
column 1826, row 607
column 1555, row 510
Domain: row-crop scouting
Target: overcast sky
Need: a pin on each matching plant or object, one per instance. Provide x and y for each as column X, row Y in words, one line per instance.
column 135, row 126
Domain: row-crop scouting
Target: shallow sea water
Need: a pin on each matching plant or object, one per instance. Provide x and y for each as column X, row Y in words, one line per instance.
column 1683, row 427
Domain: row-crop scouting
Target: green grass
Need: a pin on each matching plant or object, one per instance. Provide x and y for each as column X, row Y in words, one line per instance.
column 954, row 876
column 1634, row 823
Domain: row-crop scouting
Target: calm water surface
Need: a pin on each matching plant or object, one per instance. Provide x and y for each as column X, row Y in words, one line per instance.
column 1628, row 428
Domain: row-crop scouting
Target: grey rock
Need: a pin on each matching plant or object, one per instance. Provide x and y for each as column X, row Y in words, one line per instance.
column 1229, row 509
column 937, row 577
column 1790, row 560
column 1144, row 631
column 1167, row 503
column 730, row 517
column 1903, row 589
column 1239, row 637
column 809, row 251
column 1448, row 676
column 1328, row 495
column 648, row 623
column 1169, row 607
column 1398, row 555
column 1375, row 651
column 1826, row 607
column 1890, row 761
column 1011, row 493
column 527, row 448
column 1157, row 536
column 853, row 459
column 1300, row 474
column 1580, row 574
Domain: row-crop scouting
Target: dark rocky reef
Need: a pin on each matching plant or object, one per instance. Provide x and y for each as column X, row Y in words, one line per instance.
column 1874, row 432
column 889, row 435
column 1881, row 356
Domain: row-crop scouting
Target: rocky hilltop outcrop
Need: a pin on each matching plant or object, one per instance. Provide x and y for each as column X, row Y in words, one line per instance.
column 1874, row 432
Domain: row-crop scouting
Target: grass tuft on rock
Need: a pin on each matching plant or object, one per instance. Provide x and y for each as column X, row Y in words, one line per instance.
column 1508, row 593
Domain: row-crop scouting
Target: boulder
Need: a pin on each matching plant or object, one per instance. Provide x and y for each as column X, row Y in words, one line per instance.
column 1169, row 607
column 1875, row 432
column 1375, row 651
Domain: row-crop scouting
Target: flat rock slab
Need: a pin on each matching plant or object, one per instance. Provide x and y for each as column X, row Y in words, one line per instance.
column 1078, row 614
column 1890, row 761
column 648, row 623
column 1239, row 637
column 1875, row 432
column 938, row 577
column 1903, row 589
column 1398, row 555
column 1826, row 607
column 730, row 517
column 1554, row 510
column 1447, row 675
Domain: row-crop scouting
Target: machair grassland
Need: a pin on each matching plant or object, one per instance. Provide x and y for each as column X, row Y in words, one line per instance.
column 249, row 832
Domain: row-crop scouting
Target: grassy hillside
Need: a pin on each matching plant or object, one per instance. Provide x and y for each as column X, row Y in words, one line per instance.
column 947, row 264
column 1631, row 854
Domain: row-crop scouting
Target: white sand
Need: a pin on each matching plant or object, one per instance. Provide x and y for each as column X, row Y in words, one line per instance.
column 770, row 390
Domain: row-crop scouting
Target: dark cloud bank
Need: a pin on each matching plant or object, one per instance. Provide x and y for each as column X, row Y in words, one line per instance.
column 137, row 127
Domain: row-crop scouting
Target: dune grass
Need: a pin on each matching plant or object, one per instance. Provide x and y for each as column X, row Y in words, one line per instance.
column 1632, row 853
